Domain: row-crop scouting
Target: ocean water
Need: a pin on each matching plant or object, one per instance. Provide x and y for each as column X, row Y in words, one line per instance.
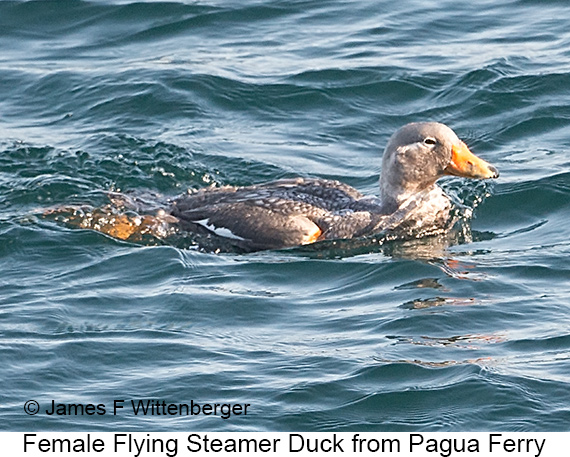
column 469, row 332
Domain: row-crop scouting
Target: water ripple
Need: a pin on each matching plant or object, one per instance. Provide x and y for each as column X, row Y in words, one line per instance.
column 466, row 332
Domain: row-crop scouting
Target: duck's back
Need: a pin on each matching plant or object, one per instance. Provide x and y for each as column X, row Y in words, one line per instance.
column 283, row 213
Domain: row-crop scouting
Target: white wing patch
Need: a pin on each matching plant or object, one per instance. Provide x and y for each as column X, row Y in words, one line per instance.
column 220, row 231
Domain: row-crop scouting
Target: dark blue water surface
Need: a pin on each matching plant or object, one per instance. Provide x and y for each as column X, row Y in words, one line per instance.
column 465, row 332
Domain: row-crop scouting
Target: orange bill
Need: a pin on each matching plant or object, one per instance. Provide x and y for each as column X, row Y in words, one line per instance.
column 467, row 165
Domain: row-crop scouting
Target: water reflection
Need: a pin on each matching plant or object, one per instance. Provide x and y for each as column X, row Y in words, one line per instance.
column 482, row 361
column 464, row 342
column 425, row 283
column 469, row 341
column 423, row 303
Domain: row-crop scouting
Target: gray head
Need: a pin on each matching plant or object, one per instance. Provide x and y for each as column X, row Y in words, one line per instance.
column 420, row 153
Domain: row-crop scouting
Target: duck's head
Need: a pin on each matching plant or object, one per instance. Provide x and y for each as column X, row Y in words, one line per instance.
column 418, row 154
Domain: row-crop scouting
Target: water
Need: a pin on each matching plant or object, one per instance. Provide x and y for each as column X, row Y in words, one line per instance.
column 469, row 333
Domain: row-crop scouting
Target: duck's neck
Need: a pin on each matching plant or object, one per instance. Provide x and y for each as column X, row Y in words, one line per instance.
column 394, row 195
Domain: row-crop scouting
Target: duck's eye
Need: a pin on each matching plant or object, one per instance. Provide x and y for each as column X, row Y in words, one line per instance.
column 429, row 140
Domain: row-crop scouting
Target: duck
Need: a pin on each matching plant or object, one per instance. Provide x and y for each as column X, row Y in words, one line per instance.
column 300, row 211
